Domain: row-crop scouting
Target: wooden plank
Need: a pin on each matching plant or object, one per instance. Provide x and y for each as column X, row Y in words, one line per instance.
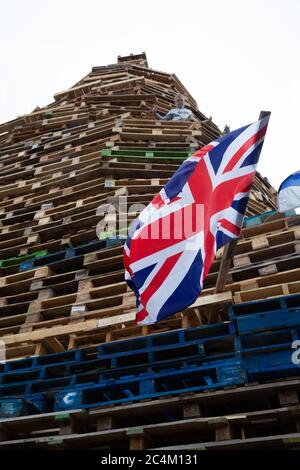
column 94, row 324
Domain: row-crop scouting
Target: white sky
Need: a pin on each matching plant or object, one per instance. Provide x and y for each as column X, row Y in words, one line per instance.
column 236, row 57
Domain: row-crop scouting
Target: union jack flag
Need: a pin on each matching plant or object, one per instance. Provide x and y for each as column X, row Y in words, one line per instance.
column 172, row 244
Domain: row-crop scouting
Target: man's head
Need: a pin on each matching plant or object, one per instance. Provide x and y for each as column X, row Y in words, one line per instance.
column 179, row 101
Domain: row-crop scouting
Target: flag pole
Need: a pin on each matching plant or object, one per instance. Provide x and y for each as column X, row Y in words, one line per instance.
column 227, row 257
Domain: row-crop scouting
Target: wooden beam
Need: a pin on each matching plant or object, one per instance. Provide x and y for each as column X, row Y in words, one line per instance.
column 54, row 345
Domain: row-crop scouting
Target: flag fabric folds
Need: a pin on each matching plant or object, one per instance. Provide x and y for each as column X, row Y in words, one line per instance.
column 289, row 193
column 171, row 245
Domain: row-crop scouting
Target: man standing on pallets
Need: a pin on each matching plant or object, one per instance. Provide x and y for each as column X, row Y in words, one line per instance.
column 179, row 113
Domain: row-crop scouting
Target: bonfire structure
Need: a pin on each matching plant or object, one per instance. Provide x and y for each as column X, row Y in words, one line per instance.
column 79, row 372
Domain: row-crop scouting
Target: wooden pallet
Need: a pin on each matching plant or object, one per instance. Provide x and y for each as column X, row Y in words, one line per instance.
column 106, row 323
column 199, row 419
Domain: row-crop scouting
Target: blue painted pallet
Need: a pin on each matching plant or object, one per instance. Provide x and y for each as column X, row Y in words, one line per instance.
column 177, row 337
column 48, row 259
column 268, row 339
column 281, row 312
column 264, row 357
column 49, row 386
column 197, row 349
column 259, row 219
column 148, row 385
column 100, row 369
column 68, row 375
column 271, row 365
column 114, row 241
column 53, row 376
column 25, row 371
column 17, row 377
column 268, row 355
column 263, row 363
column 151, row 353
column 15, row 407
column 71, row 356
column 71, row 252
column 85, row 248
column 221, row 331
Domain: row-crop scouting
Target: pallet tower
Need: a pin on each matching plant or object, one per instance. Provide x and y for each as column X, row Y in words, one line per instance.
column 79, row 372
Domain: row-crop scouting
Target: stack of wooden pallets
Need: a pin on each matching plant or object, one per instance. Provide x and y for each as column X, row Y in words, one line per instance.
column 79, row 372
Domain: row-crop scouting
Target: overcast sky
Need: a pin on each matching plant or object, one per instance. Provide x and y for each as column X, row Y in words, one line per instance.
column 236, row 57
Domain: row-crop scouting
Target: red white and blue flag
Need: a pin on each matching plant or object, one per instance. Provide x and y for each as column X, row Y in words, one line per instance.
column 172, row 244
